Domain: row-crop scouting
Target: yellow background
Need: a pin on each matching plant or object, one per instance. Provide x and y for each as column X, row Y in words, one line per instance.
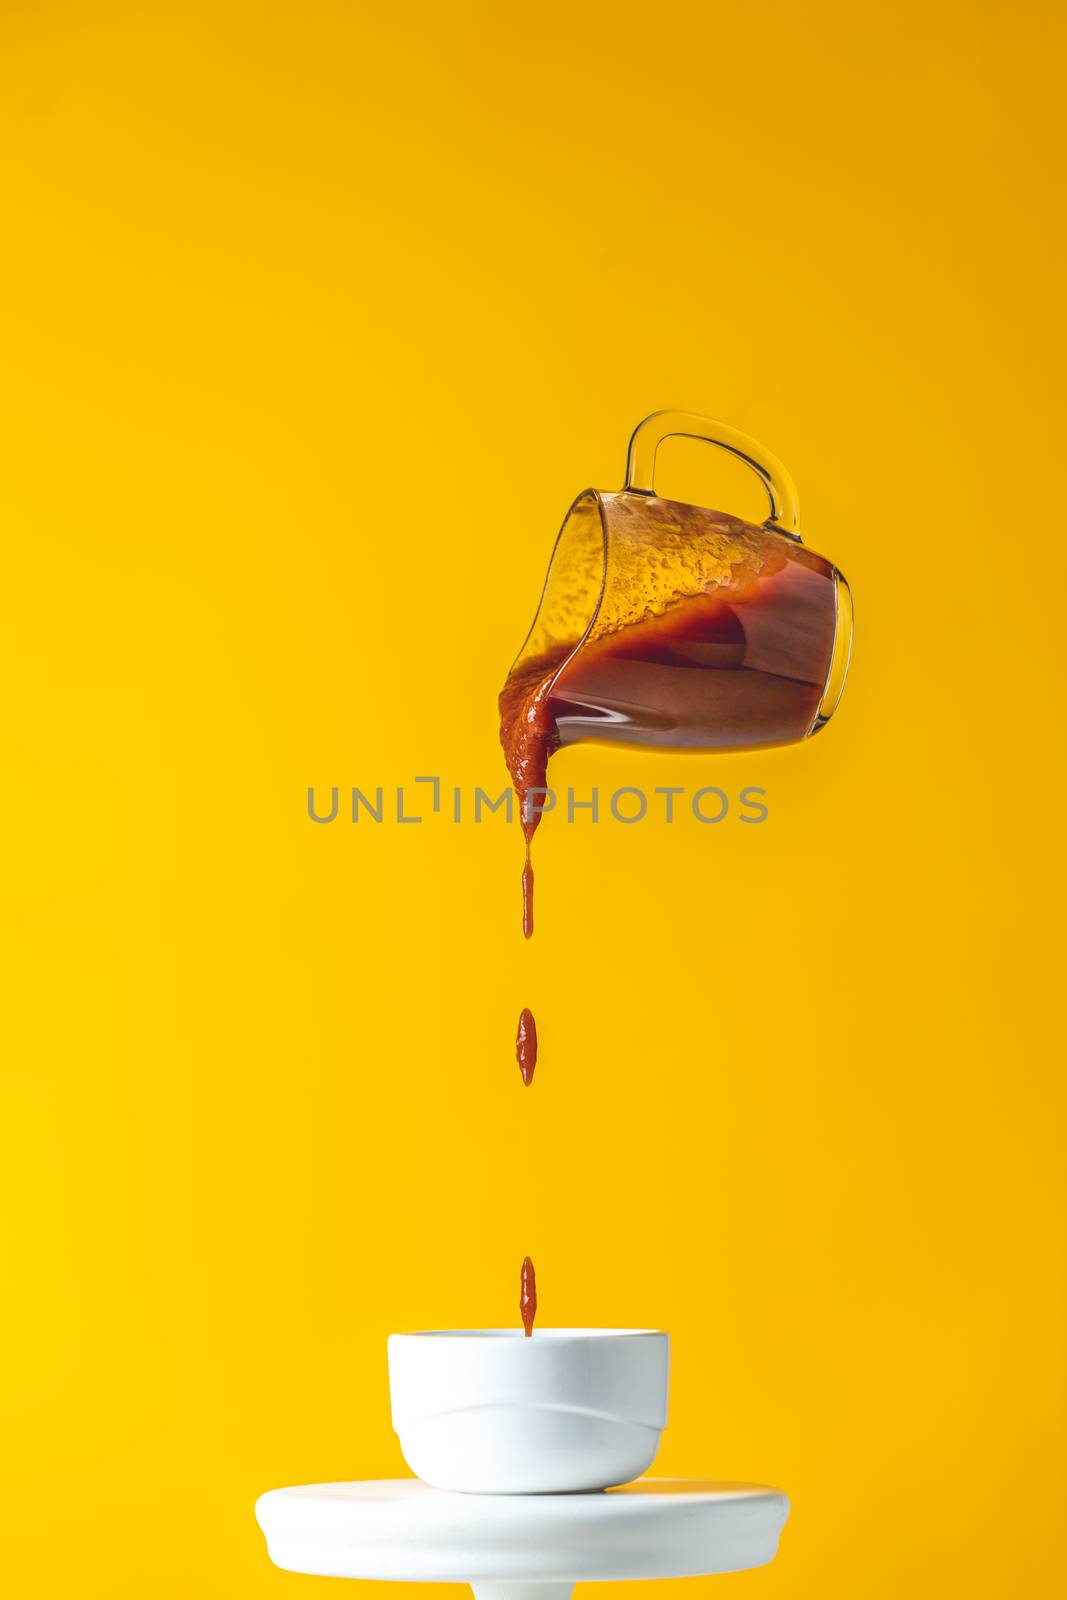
column 315, row 318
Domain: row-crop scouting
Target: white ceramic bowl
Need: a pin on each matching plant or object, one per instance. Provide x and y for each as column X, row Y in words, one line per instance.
column 487, row 1411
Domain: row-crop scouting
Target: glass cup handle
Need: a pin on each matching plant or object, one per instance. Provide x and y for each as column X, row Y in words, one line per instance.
column 650, row 434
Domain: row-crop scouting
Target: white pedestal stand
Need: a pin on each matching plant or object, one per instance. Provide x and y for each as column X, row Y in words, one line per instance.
column 521, row 1547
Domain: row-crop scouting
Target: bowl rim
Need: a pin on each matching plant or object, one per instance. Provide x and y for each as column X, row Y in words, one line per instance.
column 539, row 1335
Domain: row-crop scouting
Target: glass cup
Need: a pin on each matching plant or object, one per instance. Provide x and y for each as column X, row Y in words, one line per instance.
column 675, row 625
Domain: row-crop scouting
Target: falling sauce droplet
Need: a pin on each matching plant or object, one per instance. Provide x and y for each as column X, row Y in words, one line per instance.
column 527, row 894
column 528, row 1296
column 526, row 1045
